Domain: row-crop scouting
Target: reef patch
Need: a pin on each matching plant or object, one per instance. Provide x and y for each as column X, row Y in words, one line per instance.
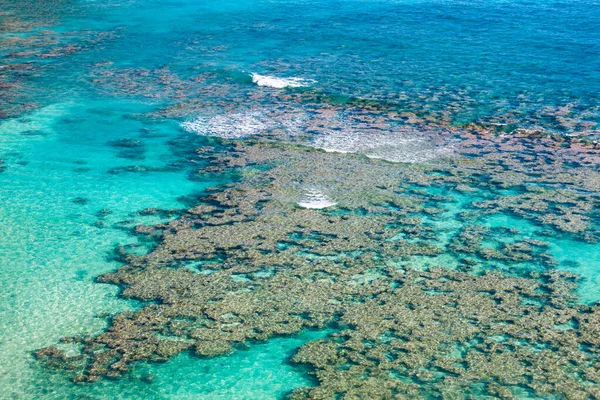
column 409, row 326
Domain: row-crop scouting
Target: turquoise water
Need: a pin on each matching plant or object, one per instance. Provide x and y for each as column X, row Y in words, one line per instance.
column 62, row 216
column 82, row 157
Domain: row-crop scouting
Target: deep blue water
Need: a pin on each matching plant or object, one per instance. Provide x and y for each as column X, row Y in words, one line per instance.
column 490, row 57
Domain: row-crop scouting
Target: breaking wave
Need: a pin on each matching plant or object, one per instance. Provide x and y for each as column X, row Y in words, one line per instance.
column 315, row 199
column 389, row 146
column 279, row 83
column 229, row 126
column 332, row 134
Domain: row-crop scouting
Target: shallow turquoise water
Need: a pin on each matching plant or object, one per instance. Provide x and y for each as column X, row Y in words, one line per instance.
column 53, row 248
column 511, row 62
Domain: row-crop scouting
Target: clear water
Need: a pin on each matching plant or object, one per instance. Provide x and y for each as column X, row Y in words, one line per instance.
column 509, row 62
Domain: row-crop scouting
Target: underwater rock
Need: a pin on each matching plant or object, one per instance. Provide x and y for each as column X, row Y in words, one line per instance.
column 81, row 200
column 126, row 143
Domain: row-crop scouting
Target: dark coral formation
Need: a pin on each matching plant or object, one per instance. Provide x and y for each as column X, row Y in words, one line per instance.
column 248, row 263
column 443, row 334
column 204, row 90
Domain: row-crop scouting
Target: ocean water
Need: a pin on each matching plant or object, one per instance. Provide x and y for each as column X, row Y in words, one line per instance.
column 91, row 133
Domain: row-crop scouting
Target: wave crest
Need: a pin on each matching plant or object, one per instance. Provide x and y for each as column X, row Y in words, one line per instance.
column 315, row 199
column 279, row 83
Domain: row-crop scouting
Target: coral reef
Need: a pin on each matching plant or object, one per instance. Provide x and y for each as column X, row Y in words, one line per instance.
column 247, row 263
column 444, row 334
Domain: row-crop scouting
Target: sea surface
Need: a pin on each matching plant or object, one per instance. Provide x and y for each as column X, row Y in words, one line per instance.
column 94, row 140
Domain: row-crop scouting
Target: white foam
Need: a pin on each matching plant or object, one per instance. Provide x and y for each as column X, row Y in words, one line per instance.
column 227, row 126
column 244, row 124
column 279, row 83
column 394, row 146
column 332, row 134
column 315, row 199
